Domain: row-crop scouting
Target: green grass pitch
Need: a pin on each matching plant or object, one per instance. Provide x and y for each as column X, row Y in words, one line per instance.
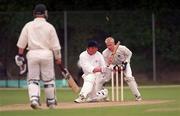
column 172, row 93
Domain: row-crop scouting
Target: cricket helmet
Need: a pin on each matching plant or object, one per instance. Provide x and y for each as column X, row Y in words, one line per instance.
column 92, row 43
column 40, row 10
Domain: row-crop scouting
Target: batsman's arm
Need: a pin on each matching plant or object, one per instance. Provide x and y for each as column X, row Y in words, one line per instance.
column 20, row 51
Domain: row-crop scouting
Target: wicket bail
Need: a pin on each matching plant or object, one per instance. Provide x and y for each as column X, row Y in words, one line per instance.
column 116, row 88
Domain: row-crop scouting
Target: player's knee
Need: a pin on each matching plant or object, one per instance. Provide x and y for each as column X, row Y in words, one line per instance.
column 33, row 82
column 49, row 84
column 90, row 78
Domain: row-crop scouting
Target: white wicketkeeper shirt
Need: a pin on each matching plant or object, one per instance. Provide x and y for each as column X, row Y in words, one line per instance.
column 39, row 34
column 122, row 54
column 89, row 62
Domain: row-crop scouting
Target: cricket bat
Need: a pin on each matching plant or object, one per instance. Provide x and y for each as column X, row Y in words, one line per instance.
column 115, row 49
column 72, row 84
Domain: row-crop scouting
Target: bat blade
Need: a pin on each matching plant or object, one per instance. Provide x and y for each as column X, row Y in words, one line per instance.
column 116, row 47
column 114, row 52
column 72, row 84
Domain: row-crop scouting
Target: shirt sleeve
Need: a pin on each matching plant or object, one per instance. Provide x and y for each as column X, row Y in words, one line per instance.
column 102, row 61
column 105, row 56
column 128, row 54
column 23, row 38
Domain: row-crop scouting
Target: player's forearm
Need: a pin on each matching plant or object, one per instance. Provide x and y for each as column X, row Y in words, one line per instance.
column 129, row 56
column 87, row 68
column 57, row 54
column 20, row 51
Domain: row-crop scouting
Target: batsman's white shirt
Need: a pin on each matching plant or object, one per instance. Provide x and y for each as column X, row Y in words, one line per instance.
column 41, row 39
column 39, row 34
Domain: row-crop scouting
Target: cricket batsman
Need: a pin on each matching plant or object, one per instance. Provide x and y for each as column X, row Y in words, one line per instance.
column 121, row 57
column 43, row 47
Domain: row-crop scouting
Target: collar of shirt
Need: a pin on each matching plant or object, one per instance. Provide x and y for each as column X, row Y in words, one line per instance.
column 39, row 19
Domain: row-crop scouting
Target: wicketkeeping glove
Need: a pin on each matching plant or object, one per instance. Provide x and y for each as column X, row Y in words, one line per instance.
column 124, row 64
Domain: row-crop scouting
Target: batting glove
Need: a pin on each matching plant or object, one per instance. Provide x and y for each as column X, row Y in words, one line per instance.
column 20, row 62
column 19, row 59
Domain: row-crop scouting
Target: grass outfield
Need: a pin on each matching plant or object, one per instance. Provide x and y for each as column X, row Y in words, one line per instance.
column 172, row 108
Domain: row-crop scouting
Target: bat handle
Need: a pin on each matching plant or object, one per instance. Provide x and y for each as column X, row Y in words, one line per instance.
column 64, row 71
column 62, row 68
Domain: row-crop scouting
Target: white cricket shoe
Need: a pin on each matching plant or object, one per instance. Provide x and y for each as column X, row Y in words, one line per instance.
column 51, row 103
column 90, row 100
column 80, row 99
column 97, row 99
column 105, row 99
column 102, row 95
column 35, row 104
column 138, row 98
column 52, row 106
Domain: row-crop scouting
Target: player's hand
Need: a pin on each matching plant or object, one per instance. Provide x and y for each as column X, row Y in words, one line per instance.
column 58, row 61
column 110, row 60
column 97, row 69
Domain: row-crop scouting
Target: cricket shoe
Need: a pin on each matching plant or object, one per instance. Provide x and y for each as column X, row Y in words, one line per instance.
column 52, row 106
column 96, row 99
column 105, row 99
column 90, row 100
column 51, row 103
column 80, row 99
column 138, row 98
column 35, row 104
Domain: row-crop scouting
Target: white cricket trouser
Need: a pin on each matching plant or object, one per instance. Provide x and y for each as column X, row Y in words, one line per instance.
column 91, row 84
column 40, row 66
column 128, row 71
column 40, row 63
column 131, row 80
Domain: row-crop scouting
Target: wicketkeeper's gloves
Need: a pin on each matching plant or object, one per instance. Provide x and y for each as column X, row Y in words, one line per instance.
column 20, row 61
column 124, row 64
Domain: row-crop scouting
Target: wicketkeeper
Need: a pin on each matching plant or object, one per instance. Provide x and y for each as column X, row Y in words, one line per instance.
column 121, row 57
column 43, row 46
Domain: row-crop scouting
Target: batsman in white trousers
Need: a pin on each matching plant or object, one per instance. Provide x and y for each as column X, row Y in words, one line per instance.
column 40, row 39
